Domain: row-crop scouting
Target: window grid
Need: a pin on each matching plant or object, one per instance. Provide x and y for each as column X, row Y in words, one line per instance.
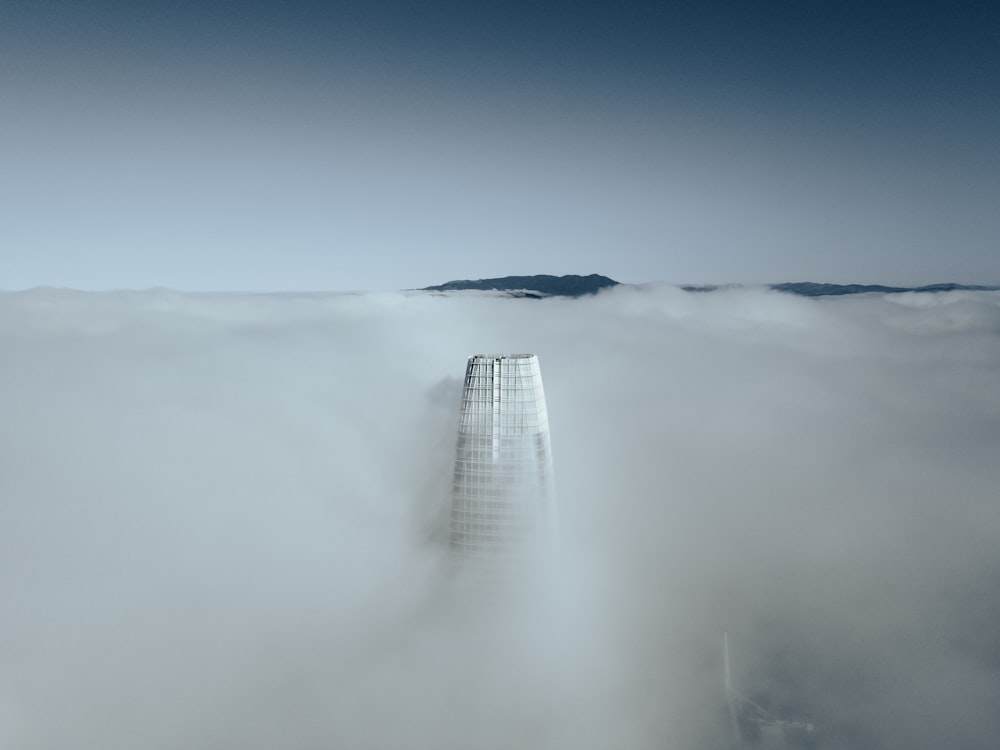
column 502, row 499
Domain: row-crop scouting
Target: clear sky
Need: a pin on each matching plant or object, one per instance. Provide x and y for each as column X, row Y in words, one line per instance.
column 380, row 145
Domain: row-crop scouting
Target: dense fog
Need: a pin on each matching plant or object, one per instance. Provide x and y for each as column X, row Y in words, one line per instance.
column 221, row 521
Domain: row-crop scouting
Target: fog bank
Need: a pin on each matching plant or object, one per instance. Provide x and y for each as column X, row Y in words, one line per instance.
column 221, row 520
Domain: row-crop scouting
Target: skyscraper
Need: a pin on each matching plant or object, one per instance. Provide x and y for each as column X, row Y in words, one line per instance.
column 502, row 522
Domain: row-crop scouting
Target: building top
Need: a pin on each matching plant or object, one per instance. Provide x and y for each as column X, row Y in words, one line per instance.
column 501, row 356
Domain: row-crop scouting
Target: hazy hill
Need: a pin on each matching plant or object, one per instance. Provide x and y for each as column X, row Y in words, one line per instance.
column 557, row 286
column 812, row 289
column 543, row 285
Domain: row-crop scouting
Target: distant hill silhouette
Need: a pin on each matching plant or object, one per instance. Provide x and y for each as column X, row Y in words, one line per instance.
column 577, row 286
column 812, row 289
column 555, row 286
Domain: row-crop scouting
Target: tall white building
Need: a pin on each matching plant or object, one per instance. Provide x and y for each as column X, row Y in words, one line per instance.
column 502, row 522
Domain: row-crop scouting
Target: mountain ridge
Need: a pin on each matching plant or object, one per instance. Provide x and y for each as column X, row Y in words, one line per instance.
column 573, row 285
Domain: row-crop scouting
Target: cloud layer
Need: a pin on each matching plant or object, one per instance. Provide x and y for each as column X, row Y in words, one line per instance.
column 220, row 520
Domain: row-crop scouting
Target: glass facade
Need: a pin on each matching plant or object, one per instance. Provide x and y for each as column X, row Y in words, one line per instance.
column 502, row 511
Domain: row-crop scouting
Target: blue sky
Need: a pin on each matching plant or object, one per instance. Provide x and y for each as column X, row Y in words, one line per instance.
column 384, row 145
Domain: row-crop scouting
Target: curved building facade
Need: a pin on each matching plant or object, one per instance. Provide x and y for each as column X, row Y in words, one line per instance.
column 502, row 521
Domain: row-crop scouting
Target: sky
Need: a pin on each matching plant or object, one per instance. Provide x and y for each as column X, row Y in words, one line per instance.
column 390, row 145
column 221, row 521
